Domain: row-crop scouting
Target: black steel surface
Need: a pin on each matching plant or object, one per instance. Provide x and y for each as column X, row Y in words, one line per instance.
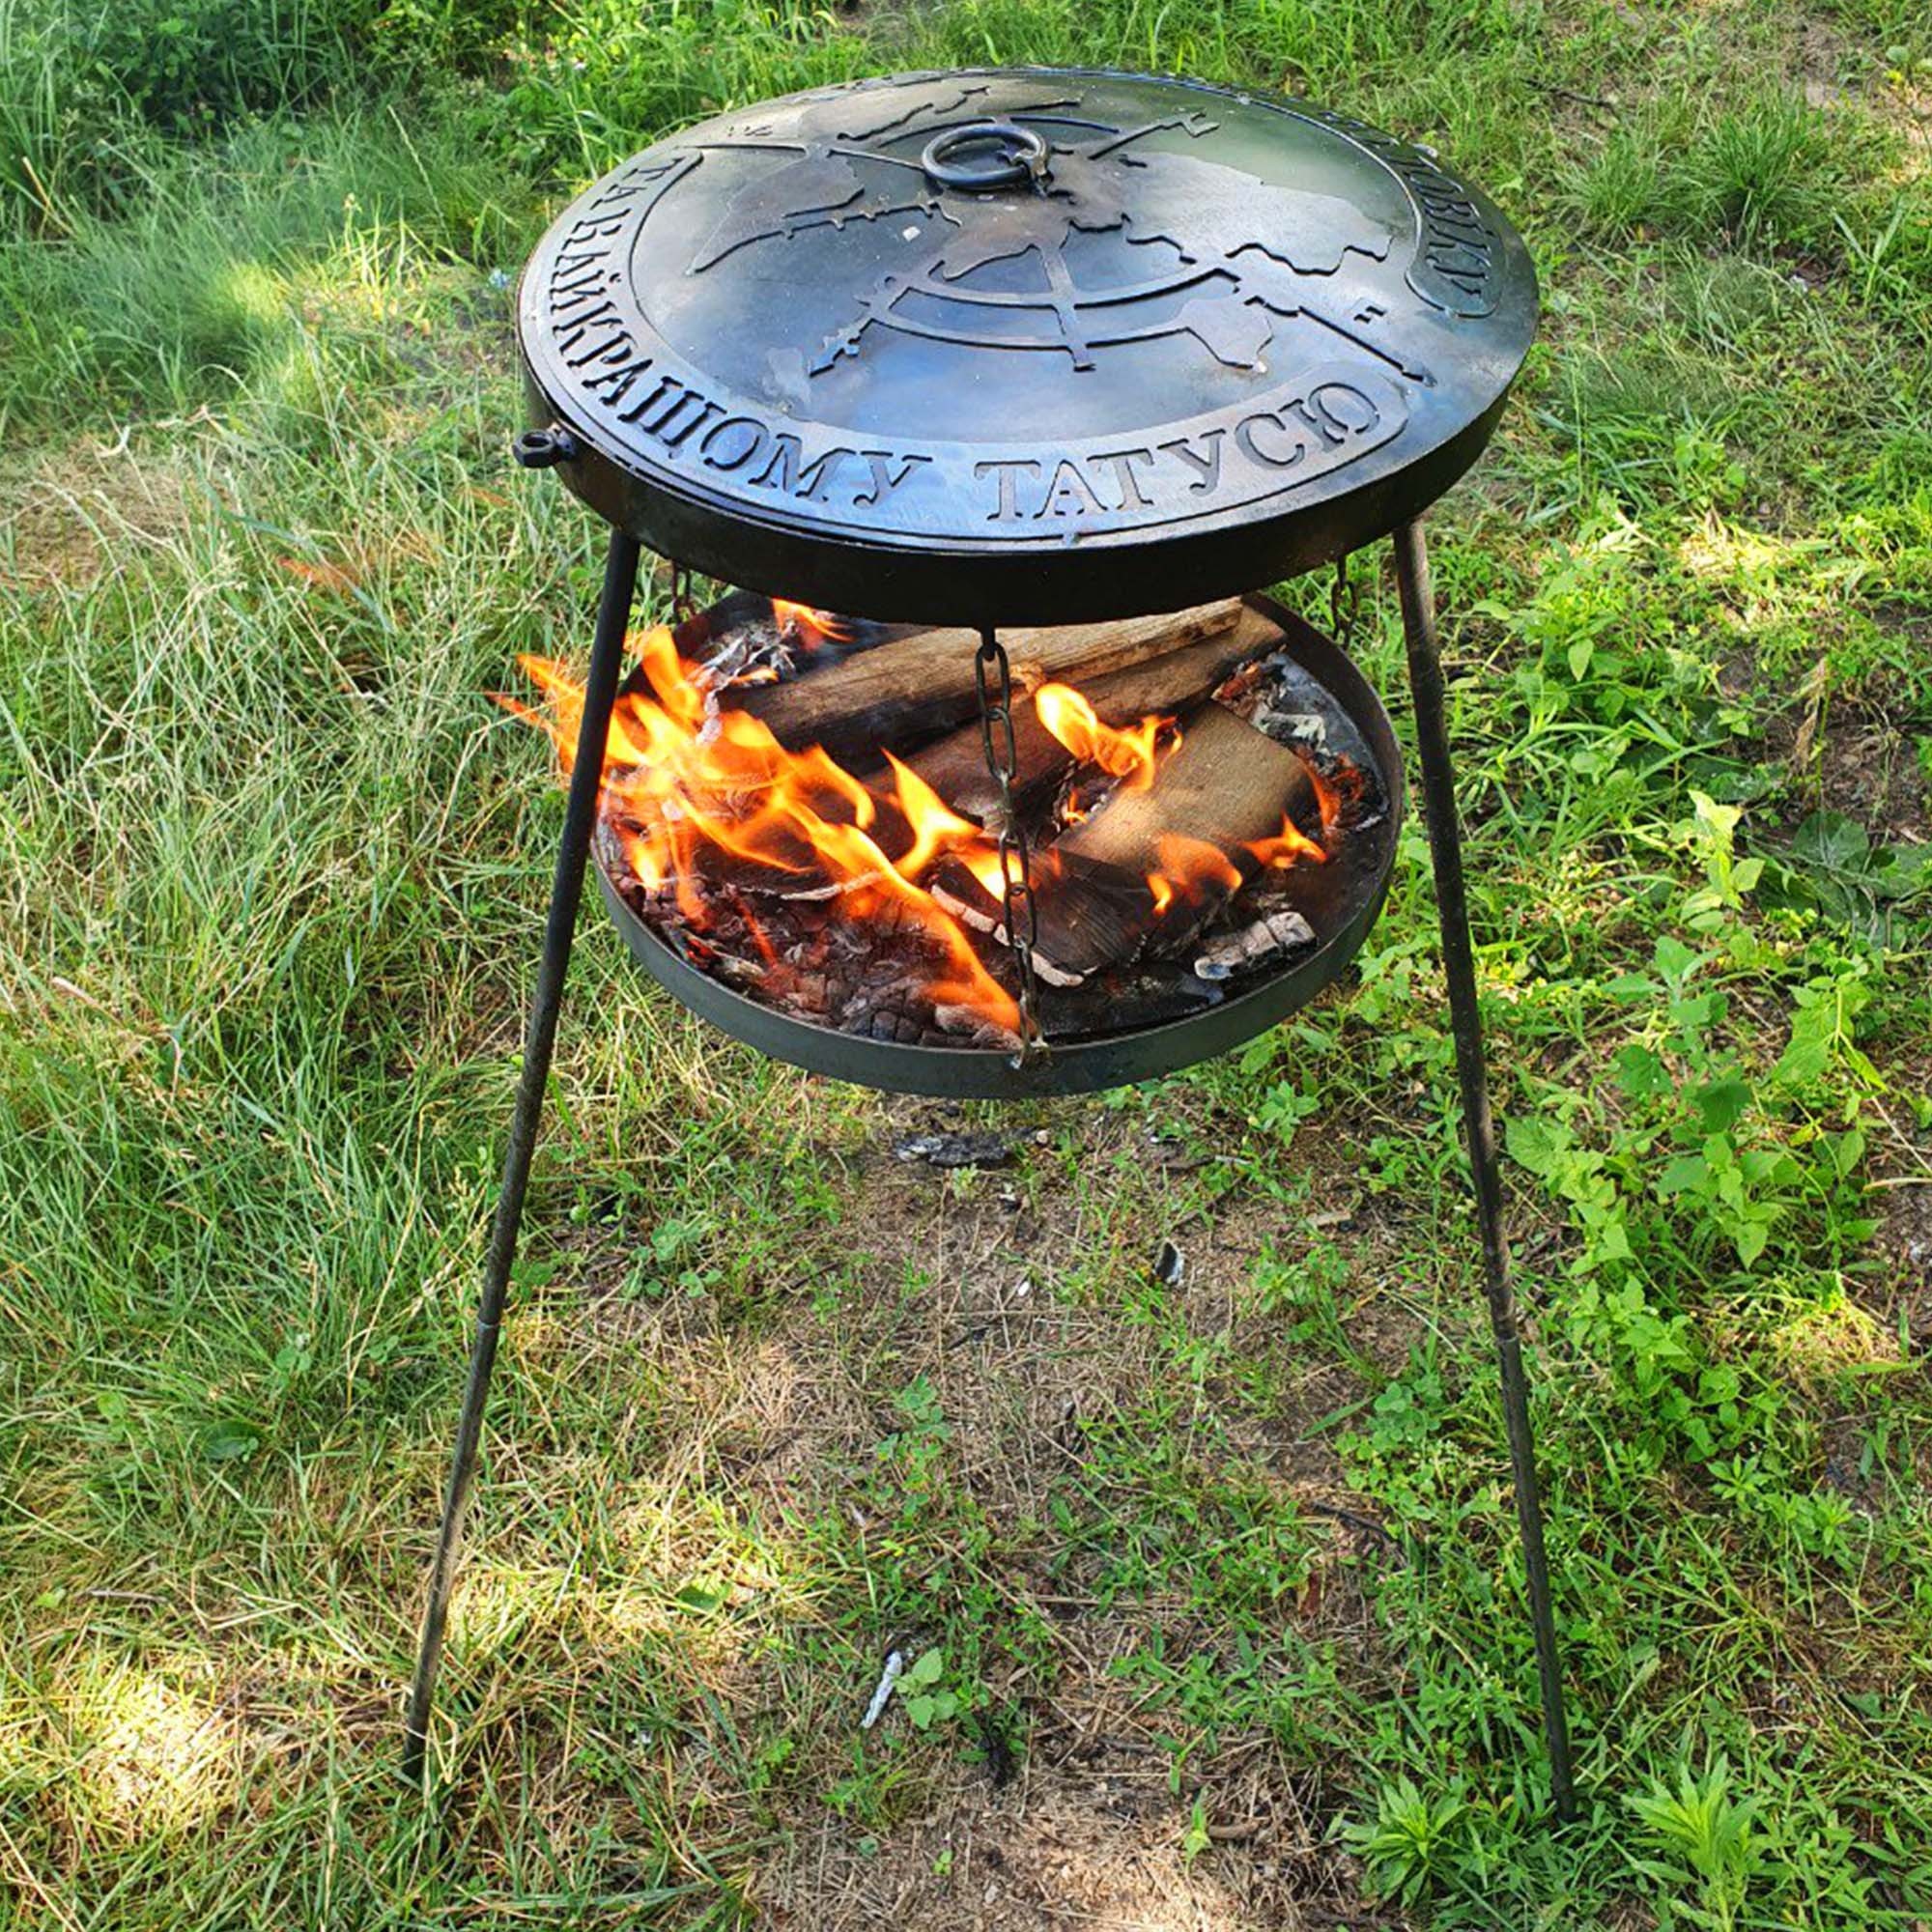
column 600, row 693
column 1466, row 1016
column 1360, row 882
column 1004, row 346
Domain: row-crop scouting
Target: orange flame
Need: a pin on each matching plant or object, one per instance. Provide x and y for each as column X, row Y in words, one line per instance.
column 812, row 626
column 1189, row 869
column 1128, row 754
column 683, row 781
column 1288, row 847
column 1195, row 867
column 1291, row 844
column 704, row 800
column 1335, row 792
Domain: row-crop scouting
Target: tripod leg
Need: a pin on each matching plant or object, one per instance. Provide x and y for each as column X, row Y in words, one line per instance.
column 607, row 656
column 1445, row 846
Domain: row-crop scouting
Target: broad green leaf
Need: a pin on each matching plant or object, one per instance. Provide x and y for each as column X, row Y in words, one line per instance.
column 1721, row 1104
column 1684, row 1175
column 229, row 1441
column 1632, row 986
column 1831, row 840
column 1537, row 1145
column 1612, row 1243
column 1902, row 871
column 1805, row 1060
column 1674, row 959
column 1642, row 1073
column 1722, row 819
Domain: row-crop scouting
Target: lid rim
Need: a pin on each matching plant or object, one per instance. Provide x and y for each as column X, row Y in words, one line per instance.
column 1389, row 407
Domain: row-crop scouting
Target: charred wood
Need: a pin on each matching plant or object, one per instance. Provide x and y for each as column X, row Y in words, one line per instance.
column 954, row 766
column 1224, row 787
column 1256, row 944
column 910, row 688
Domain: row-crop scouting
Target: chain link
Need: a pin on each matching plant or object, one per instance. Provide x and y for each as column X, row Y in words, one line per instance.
column 993, row 677
column 1344, row 605
column 680, row 594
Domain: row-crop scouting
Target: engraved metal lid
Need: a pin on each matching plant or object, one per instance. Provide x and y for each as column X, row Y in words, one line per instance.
column 1031, row 344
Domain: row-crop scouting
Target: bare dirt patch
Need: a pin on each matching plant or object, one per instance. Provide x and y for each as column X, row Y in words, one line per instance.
column 1868, row 770
column 1098, row 1846
column 72, row 520
column 1904, row 1239
column 982, row 1286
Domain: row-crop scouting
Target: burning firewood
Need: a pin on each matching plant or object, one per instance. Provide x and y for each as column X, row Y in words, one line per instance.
column 747, row 638
column 955, row 766
column 909, row 688
column 871, row 905
column 1157, row 862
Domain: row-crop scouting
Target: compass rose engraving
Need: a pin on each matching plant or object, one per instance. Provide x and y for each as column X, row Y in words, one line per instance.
column 1228, row 257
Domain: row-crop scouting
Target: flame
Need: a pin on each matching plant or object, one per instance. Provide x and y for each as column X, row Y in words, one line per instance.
column 812, row 626
column 684, row 782
column 1289, row 846
column 707, row 807
column 1336, row 791
column 1128, row 754
column 1189, row 869
column 1193, row 866
column 936, row 828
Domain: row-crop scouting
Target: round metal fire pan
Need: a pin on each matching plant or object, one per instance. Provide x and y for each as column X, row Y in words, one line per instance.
column 1092, row 1063
column 1029, row 345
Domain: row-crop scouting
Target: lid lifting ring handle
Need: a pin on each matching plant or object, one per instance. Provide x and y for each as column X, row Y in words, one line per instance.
column 984, row 155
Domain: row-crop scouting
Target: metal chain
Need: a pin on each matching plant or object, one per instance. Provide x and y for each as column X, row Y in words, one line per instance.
column 993, row 677
column 1344, row 605
column 680, row 593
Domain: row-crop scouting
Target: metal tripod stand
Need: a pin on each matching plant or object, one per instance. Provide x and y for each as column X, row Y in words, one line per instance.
column 1425, row 673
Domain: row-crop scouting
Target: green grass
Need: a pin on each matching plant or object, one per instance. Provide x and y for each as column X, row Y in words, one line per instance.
column 1228, row 1569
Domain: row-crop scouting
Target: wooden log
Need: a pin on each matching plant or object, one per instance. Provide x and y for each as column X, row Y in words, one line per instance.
column 1225, row 787
column 955, row 766
column 742, row 636
column 910, row 688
